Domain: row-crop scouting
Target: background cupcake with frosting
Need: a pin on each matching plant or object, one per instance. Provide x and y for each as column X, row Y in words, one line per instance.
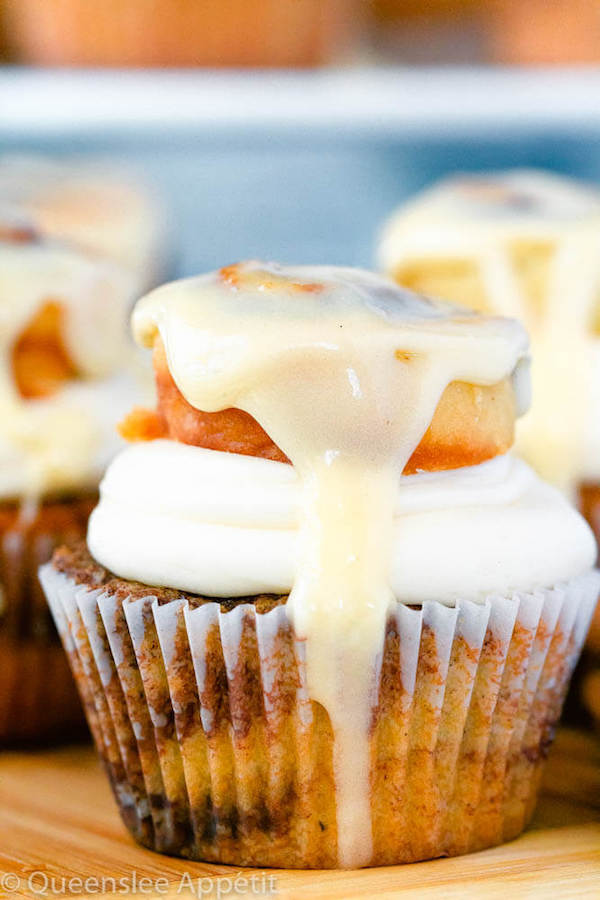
column 66, row 376
column 525, row 244
column 322, row 618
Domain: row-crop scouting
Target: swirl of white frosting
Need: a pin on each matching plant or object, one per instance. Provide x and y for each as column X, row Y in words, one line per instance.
column 176, row 515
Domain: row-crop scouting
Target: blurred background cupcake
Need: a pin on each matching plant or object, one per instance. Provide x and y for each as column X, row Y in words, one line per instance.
column 181, row 32
column 524, row 244
column 561, row 31
column 66, row 375
column 92, row 207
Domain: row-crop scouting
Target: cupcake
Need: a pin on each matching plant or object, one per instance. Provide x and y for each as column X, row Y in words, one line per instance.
column 322, row 618
column 92, row 206
column 63, row 380
column 538, row 33
column 181, row 32
column 526, row 244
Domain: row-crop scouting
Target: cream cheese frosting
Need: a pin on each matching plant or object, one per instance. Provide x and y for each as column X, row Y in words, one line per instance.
column 171, row 514
column 344, row 371
column 481, row 218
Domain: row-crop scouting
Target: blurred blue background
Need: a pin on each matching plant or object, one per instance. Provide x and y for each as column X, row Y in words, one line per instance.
column 311, row 187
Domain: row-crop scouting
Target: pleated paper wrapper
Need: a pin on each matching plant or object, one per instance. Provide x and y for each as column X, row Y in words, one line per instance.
column 216, row 752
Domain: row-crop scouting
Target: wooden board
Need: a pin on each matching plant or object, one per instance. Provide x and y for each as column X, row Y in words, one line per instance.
column 57, row 819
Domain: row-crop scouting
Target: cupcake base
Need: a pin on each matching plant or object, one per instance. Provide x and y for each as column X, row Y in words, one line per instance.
column 215, row 751
column 38, row 699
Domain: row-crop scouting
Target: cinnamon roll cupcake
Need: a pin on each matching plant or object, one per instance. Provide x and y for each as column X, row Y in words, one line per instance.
column 323, row 619
column 63, row 379
column 525, row 244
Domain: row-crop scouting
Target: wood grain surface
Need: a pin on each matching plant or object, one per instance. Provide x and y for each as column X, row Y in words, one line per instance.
column 58, row 824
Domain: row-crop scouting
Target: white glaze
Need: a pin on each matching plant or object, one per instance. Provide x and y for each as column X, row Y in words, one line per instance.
column 476, row 218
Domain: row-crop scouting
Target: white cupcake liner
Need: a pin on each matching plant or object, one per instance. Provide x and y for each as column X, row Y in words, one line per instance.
column 215, row 750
